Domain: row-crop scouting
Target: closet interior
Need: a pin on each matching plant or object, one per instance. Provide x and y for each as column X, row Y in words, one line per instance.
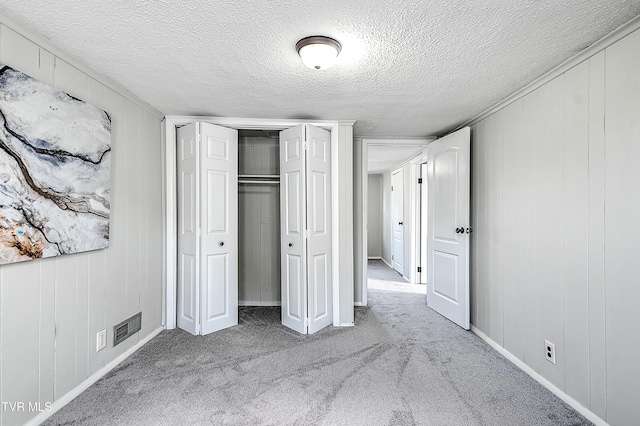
column 259, row 250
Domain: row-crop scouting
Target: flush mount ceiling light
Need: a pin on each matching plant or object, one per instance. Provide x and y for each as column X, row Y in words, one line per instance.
column 318, row 52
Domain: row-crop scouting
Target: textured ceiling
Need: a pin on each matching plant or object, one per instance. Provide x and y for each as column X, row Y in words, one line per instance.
column 386, row 156
column 408, row 68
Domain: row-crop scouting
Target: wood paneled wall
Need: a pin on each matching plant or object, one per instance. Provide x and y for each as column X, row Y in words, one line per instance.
column 51, row 309
column 259, row 223
column 555, row 207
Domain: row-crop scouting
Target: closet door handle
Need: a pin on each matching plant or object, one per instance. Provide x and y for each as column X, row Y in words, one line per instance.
column 221, row 243
column 290, row 244
column 400, row 223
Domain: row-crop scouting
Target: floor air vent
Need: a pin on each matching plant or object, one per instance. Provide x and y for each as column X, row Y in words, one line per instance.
column 126, row 328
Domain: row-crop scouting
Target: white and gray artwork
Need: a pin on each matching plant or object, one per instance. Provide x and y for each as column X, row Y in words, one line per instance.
column 55, row 154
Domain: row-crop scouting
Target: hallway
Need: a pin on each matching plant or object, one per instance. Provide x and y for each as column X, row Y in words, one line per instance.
column 402, row 364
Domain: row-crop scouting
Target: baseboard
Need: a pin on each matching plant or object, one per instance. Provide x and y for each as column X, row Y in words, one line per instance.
column 591, row 416
column 249, row 303
column 374, row 258
column 69, row 396
column 358, row 304
column 386, row 263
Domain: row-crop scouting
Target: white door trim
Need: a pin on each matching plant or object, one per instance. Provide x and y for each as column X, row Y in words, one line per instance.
column 172, row 122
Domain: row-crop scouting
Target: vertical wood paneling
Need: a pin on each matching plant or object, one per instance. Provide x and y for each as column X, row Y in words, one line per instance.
column 143, row 167
column 597, row 359
column 580, row 236
column 133, row 261
column 512, row 255
column 47, row 281
column 20, row 312
column 51, row 309
column 116, row 288
column 18, row 52
column 479, row 213
column 495, row 304
column 531, row 346
column 259, row 223
column 66, row 326
column 155, row 228
column 67, row 304
column 575, row 229
column 549, row 226
column 622, row 228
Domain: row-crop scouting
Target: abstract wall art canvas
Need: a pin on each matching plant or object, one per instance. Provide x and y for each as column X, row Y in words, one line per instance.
column 55, row 155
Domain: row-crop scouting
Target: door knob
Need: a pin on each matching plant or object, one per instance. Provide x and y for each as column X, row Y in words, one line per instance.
column 221, row 243
column 290, row 244
column 400, row 223
column 459, row 230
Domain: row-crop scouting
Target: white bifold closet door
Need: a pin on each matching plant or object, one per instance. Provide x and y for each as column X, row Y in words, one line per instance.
column 305, row 214
column 207, row 186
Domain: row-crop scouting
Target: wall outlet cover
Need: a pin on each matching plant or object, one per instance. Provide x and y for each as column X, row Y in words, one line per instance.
column 550, row 351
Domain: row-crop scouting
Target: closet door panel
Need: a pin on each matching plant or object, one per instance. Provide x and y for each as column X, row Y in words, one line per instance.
column 318, row 206
column 219, row 225
column 187, row 294
column 293, row 247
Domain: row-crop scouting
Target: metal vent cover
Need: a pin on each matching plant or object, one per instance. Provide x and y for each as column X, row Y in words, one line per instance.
column 127, row 328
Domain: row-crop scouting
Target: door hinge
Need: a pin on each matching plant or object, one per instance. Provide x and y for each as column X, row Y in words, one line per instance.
column 419, row 180
column 306, row 233
column 306, row 321
column 419, row 268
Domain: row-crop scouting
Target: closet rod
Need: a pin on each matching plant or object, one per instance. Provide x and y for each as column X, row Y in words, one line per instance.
column 271, row 182
column 259, row 176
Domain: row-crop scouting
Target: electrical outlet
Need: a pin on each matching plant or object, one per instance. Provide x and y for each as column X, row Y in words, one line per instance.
column 101, row 340
column 550, row 351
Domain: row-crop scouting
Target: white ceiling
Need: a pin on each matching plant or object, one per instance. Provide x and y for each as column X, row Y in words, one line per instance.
column 408, row 68
column 384, row 155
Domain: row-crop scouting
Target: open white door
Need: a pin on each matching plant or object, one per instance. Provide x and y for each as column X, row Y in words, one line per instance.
column 219, row 225
column 188, row 218
column 448, row 231
column 305, row 212
column 397, row 217
column 207, row 228
column 320, row 296
column 292, row 225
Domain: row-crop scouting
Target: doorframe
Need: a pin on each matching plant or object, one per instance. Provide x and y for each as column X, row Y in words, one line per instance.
column 364, row 188
column 172, row 122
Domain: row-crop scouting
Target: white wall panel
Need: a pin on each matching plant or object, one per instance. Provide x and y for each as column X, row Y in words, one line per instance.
column 51, row 309
column 549, row 243
column 622, row 228
column 575, row 226
column 494, row 247
column 258, row 223
column 556, row 234
column 512, row 225
column 374, row 216
column 596, row 290
column 529, row 303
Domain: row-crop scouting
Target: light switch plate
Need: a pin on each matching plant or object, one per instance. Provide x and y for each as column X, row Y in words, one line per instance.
column 101, row 340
